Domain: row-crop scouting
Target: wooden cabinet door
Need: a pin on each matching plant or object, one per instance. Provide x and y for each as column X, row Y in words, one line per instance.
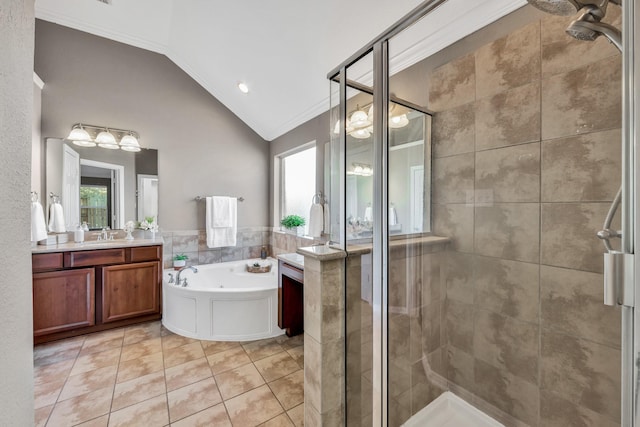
column 63, row 300
column 130, row 290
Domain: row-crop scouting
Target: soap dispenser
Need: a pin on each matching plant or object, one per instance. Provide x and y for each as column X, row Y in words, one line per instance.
column 263, row 253
column 78, row 234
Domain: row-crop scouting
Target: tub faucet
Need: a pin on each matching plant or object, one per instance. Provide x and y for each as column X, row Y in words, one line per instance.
column 183, row 283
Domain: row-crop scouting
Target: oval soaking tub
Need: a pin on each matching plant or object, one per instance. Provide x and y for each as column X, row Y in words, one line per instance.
column 223, row 302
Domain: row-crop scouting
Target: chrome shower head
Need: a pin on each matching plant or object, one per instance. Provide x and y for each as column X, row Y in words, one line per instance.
column 587, row 26
column 569, row 7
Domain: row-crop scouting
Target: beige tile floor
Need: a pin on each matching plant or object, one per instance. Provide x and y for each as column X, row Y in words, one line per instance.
column 144, row 375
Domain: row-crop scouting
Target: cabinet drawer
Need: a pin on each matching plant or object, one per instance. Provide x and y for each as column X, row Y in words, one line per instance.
column 91, row 258
column 44, row 262
column 145, row 253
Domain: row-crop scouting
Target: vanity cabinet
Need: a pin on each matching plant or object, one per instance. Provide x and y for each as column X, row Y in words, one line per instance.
column 290, row 299
column 63, row 300
column 81, row 291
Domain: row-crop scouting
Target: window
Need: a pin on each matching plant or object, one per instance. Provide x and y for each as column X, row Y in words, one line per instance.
column 297, row 183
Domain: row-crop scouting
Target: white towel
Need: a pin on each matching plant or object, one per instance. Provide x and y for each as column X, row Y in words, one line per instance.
column 393, row 216
column 56, row 218
column 221, row 236
column 38, row 224
column 222, row 211
column 316, row 220
column 327, row 219
column 368, row 214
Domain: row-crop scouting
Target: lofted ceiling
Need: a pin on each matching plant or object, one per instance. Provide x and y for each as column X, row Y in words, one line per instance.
column 282, row 49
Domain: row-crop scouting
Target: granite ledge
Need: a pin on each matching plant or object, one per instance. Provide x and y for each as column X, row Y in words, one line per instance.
column 365, row 248
column 94, row 245
column 322, row 253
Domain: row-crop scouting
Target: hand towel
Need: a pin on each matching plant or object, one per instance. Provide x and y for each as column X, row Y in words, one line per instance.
column 38, row 224
column 327, row 219
column 368, row 214
column 221, row 211
column 221, row 236
column 316, row 220
column 56, row 218
column 393, row 216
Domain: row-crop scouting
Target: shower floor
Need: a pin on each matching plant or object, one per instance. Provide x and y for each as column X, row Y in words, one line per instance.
column 448, row 410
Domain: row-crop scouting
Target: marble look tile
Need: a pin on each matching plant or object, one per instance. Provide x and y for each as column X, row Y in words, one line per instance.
column 96, row 360
column 297, row 354
column 297, row 415
column 454, row 131
column 138, row 333
column 455, row 221
column 153, row 412
column 101, row 341
column 458, row 325
column 515, row 396
column 290, row 342
column 510, row 61
column 583, row 372
column 583, row 100
column 229, row 359
column 142, row 348
column 41, row 415
column 87, row 382
column 214, row 416
column 46, row 393
column 212, row 347
column 458, row 277
column 139, row 367
column 239, row 380
column 508, row 118
column 508, row 344
column 46, row 354
column 508, row 231
column 193, row 398
column 578, row 168
column 399, row 345
column 431, row 327
column 102, row 421
column 209, row 256
column 289, row 390
column 571, row 302
column 185, row 353
column 81, row 408
column 276, row 366
column 453, row 178
column 175, row 340
column 312, row 372
column 510, row 174
column 562, row 53
column 313, row 304
column 459, row 368
column 558, row 412
column 568, row 235
column 262, row 348
column 137, row 390
column 58, row 371
column 253, row 407
column 453, row 84
column 507, row 287
column 187, row 373
column 281, row 420
column 184, row 242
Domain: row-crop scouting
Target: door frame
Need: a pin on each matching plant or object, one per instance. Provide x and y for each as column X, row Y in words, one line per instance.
column 117, row 186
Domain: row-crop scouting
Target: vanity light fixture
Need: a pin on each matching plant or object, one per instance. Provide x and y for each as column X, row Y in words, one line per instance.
column 243, row 87
column 90, row 136
column 360, row 169
column 360, row 124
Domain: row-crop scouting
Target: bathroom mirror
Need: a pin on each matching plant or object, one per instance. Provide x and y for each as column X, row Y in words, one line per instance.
column 105, row 188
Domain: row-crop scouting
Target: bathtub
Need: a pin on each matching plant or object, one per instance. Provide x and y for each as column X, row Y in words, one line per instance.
column 223, row 302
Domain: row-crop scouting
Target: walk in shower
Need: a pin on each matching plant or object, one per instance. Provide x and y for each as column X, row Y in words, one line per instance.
column 477, row 150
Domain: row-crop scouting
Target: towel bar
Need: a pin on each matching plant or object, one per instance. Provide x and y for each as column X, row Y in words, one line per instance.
column 198, row 198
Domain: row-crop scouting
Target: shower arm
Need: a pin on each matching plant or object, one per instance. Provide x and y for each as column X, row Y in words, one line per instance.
column 607, row 233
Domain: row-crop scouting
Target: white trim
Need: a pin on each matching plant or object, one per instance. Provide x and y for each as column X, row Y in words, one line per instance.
column 37, row 80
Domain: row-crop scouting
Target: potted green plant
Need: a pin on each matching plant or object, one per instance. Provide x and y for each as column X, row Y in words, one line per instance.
column 179, row 260
column 292, row 222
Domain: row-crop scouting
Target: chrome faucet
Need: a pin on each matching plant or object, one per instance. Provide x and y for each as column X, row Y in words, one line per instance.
column 183, row 283
column 103, row 234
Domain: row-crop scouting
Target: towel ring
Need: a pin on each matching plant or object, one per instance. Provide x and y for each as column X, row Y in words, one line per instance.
column 318, row 198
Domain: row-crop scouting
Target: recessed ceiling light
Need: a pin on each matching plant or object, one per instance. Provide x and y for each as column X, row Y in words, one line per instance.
column 243, row 87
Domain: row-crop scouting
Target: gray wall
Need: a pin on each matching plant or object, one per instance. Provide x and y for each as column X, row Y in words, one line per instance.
column 37, row 153
column 203, row 148
column 16, row 109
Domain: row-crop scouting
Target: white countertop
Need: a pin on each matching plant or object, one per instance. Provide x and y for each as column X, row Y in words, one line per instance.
column 94, row 244
column 293, row 259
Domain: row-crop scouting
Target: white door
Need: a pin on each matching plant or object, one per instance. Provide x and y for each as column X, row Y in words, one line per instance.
column 70, row 197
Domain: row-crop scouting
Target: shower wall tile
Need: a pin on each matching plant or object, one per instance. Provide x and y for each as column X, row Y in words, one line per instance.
column 509, row 117
column 558, row 412
column 509, row 393
column 459, row 277
column 458, row 325
column 453, row 178
column 583, row 100
column 423, row 389
column 512, row 174
column 562, row 53
column 431, row 339
column 456, row 222
column 510, row 61
column 460, row 368
column 582, row 168
column 507, row 344
column 571, row 302
column 583, row 372
column 453, row 84
column 507, row 287
column 508, row 231
column 568, row 234
column 454, row 131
